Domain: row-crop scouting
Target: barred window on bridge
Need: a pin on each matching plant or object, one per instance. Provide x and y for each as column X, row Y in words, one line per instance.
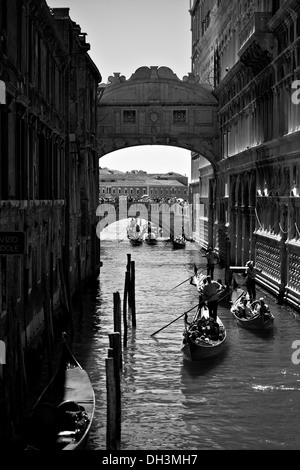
column 129, row 117
column 179, row 116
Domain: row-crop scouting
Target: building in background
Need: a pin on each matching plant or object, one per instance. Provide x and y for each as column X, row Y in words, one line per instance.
column 249, row 53
column 136, row 184
column 49, row 183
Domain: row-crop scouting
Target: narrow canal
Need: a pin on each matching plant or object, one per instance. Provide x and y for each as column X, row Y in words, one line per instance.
column 248, row 399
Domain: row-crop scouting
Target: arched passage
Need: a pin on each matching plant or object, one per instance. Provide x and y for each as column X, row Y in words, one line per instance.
column 150, row 159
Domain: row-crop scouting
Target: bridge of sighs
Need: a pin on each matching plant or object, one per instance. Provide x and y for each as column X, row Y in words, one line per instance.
column 155, row 107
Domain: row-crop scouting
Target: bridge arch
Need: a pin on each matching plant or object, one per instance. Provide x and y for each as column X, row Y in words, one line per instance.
column 155, row 107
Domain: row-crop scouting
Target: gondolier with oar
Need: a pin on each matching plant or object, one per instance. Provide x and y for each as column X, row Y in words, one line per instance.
column 211, row 295
column 212, row 259
column 251, row 272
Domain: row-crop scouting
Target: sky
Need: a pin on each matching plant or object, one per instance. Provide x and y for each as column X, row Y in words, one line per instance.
column 125, row 35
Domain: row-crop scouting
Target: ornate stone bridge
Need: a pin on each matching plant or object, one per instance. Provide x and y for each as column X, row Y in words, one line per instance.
column 155, row 107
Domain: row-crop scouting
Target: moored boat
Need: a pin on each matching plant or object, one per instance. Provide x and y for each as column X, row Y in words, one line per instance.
column 252, row 316
column 63, row 414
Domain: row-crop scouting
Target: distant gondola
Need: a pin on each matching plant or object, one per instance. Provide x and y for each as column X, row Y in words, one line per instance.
column 151, row 239
column 135, row 233
column 178, row 243
column 136, row 241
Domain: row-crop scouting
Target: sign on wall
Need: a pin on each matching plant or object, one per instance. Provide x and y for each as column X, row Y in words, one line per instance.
column 12, row 243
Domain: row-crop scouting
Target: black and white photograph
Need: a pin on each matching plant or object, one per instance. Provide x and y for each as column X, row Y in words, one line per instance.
column 149, row 228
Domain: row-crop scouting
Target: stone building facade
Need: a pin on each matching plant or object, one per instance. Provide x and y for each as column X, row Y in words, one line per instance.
column 135, row 185
column 249, row 52
column 48, row 185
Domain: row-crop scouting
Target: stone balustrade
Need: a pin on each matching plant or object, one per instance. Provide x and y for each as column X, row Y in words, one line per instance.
column 293, row 272
column 268, row 259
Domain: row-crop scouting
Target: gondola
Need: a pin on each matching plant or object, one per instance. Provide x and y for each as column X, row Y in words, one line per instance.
column 178, row 243
column 63, row 414
column 135, row 233
column 261, row 320
column 151, row 239
column 136, row 241
column 189, row 238
column 203, row 338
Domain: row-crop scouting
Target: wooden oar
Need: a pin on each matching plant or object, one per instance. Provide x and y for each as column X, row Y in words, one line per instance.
column 125, row 235
column 185, row 280
column 232, row 290
column 178, row 285
column 174, row 320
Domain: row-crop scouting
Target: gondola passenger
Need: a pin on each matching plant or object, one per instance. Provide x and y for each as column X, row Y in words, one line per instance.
column 259, row 306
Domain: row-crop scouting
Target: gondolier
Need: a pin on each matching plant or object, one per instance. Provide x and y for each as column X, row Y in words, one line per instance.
column 212, row 259
column 251, row 272
column 211, row 295
column 134, row 233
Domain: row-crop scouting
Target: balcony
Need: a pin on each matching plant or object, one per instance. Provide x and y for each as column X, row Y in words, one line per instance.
column 256, row 42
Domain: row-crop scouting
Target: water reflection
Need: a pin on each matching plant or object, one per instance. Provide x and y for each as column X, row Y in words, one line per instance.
column 196, row 369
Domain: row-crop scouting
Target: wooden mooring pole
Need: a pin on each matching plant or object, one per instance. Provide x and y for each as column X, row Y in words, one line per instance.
column 114, row 342
column 132, row 293
column 128, row 262
column 111, row 435
column 128, row 267
column 117, row 321
column 125, row 298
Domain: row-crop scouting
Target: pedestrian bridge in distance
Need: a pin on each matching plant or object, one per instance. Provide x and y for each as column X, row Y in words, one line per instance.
column 155, row 107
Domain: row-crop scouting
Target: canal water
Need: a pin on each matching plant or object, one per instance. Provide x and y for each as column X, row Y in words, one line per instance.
column 249, row 398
